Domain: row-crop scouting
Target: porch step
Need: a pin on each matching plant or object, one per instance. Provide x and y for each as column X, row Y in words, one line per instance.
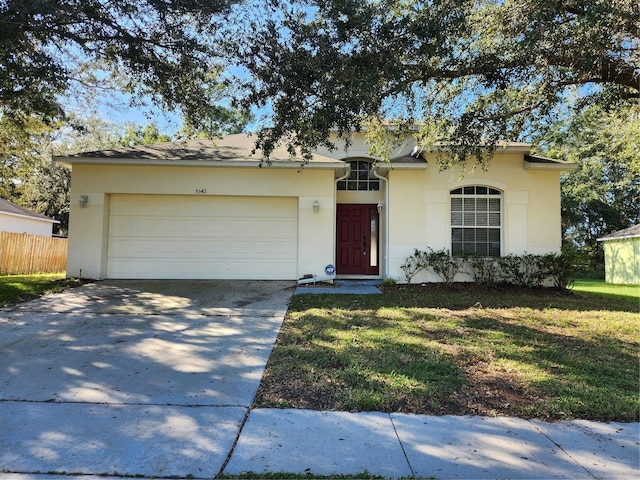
column 353, row 287
column 358, row 281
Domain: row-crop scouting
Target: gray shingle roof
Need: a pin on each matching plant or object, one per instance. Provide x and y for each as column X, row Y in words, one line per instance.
column 230, row 148
column 631, row 232
column 11, row 208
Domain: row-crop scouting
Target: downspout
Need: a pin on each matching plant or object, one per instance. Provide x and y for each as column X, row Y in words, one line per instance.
column 386, row 220
column 343, row 177
column 335, row 204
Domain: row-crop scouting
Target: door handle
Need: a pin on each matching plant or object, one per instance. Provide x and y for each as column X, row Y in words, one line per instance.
column 364, row 245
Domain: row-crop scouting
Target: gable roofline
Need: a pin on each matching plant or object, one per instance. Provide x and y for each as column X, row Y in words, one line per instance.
column 9, row 208
column 294, row 163
column 631, row 232
column 515, row 147
column 233, row 151
column 229, row 151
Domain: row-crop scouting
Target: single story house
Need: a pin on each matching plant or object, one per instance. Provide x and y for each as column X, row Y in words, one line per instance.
column 17, row 219
column 213, row 210
column 622, row 256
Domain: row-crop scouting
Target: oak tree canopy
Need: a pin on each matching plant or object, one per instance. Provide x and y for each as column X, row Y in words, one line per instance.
column 468, row 72
column 164, row 49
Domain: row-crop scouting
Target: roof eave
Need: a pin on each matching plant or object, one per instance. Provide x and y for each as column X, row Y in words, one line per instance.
column 29, row 217
column 322, row 165
column 564, row 167
column 415, row 164
column 408, row 166
column 500, row 148
column 624, row 237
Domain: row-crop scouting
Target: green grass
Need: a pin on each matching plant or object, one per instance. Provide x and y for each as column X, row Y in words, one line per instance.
column 608, row 289
column 301, row 476
column 461, row 350
column 18, row 288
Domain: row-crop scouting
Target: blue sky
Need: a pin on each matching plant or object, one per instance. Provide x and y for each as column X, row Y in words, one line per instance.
column 116, row 108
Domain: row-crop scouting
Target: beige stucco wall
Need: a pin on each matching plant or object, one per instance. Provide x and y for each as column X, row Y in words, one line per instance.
column 417, row 205
column 88, row 227
column 18, row 224
column 622, row 261
column 419, row 208
column 414, row 200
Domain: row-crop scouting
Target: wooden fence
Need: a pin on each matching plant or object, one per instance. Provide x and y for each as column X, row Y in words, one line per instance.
column 22, row 253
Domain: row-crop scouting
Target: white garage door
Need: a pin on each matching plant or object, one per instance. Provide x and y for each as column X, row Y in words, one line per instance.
column 166, row 236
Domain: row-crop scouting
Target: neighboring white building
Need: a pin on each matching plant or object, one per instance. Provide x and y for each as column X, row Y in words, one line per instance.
column 17, row 219
column 203, row 209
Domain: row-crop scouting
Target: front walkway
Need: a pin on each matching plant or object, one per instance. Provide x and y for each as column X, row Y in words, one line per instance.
column 353, row 287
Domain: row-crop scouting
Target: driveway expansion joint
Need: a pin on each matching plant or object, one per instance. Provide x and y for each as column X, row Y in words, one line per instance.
column 402, row 447
column 235, row 443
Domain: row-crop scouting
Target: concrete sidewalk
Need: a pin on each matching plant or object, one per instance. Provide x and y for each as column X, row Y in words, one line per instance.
column 401, row 445
column 322, row 444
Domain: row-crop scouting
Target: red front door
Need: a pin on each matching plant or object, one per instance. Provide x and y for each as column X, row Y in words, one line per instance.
column 357, row 245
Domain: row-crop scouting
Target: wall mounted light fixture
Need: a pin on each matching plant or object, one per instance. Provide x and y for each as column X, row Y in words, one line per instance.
column 84, row 199
column 380, row 206
column 316, row 206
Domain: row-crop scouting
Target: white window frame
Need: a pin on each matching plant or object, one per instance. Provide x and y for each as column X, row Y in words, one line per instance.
column 468, row 220
column 356, row 178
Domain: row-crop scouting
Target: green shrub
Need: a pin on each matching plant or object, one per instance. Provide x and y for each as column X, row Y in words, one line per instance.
column 561, row 269
column 526, row 270
column 444, row 265
column 414, row 264
column 389, row 282
column 483, row 270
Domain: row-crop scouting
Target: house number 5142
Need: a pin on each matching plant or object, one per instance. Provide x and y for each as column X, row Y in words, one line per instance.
column 201, row 191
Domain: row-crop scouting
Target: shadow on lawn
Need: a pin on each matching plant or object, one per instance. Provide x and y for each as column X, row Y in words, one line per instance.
column 541, row 353
column 558, row 375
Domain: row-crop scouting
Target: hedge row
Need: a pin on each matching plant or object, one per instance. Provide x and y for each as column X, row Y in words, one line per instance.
column 528, row 270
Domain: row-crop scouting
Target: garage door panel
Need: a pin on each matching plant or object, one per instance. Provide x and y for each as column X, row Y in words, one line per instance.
column 273, row 248
column 139, row 268
column 205, row 248
column 202, row 237
column 287, row 227
column 121, row 205
column 170, row 225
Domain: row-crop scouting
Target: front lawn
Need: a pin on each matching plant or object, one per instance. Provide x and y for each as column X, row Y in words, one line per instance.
column 608, row 289
column 459, row 350
column 18, row 288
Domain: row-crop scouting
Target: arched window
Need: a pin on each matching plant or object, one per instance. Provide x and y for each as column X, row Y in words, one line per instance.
column 360, row 178
column 476, row 221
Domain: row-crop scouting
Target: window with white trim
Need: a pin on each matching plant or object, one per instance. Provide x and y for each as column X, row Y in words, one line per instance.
column 476, row 221
column 360, row 177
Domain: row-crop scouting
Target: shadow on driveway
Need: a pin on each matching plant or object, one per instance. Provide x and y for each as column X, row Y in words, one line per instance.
column 116, row 377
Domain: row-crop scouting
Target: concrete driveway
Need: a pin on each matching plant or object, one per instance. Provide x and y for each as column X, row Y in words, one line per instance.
column 150, row 378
